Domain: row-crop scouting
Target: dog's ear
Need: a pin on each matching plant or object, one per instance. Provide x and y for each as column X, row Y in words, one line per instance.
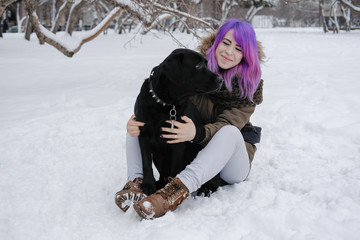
column 178, row 54
column 155, row 72
column 171, row 67
column 172, row 63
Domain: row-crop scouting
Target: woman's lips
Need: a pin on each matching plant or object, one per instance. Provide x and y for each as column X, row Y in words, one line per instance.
column 227, row 59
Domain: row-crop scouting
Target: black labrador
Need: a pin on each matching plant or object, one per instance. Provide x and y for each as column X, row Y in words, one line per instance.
column 165, row 96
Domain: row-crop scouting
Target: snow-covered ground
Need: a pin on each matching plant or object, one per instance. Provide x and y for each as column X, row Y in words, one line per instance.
column 62, row 142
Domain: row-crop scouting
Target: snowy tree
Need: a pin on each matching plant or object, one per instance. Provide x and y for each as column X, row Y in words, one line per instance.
column 351, row 5
column 148, row 13
column 168, row 16
column 226, row 6
column 3, row 6
column 347, row 6
column 19, row 19
column 334, row 19
column 62, row 45
column 177, row 15
column 322, row 16
column 255, row 6
column 347, row 15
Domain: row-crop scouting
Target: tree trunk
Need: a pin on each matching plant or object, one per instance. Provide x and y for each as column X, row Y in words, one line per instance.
column 29, row 29
column 119, row 22
column 321, row 14
column 18, row 17
column 62, row 10
column 1, row 27
column 347, row 16
column 73, row 16
column 226, row 6
column 2, row 10
column 336, row 28
column 3, row 6
column 53, row 12
column 254, row 9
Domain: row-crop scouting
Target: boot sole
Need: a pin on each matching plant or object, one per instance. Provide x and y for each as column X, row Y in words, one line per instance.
column 125, row 200
column 139, row 212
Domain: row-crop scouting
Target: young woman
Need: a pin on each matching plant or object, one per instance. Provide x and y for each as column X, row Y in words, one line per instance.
column 229, row 137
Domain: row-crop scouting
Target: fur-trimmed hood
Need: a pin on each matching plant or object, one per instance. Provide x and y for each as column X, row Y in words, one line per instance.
column 208, row 41
column 231, row 99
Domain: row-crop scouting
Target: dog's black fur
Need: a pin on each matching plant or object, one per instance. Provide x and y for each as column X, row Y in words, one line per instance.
column 181, row 75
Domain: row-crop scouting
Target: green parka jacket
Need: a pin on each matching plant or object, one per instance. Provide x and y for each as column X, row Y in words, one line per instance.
column 218, row 117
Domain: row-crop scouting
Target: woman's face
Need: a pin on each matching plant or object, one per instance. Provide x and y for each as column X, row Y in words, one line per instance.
column 228, row 53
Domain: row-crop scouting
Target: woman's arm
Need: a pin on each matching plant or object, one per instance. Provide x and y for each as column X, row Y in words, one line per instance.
column 188, row 131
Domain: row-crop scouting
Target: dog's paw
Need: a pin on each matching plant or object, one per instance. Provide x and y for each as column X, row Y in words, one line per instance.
column 148, row 189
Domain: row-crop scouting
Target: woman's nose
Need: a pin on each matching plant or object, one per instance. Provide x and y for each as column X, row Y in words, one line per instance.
column 229, row 50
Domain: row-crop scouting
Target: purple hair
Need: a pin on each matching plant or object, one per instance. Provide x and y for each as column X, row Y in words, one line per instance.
column 248, row 71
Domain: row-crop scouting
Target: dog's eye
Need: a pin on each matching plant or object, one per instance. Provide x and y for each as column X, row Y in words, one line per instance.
column 199, row 65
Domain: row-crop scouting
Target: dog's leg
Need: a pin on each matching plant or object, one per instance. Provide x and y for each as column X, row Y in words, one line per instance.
column 176, row 163
column 148, row 184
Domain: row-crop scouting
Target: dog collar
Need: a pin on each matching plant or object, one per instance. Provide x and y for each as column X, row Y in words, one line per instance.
column 172, row 112
column 152, row 91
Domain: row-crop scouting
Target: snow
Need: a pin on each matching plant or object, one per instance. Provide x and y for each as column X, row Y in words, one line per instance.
column 147, row 205
column 62, row 142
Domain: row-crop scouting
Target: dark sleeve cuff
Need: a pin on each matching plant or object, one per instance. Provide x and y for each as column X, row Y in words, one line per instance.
column 200, row 134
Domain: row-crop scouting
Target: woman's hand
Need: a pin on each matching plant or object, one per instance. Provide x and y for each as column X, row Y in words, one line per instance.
column 184, row 131
column 133, row 126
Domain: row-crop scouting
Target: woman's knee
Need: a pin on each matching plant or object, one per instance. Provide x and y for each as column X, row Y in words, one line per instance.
column 234, row 178
column 231, row 132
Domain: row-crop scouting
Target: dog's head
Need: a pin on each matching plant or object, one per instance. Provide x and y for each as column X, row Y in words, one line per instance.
column 182, row 74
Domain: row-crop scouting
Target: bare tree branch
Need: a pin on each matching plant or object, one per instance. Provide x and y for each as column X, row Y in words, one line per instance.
column 104, row 24
column 349, row 4
column 136, row 8
column 179, row 13
column 157, row 21
column 47, row 36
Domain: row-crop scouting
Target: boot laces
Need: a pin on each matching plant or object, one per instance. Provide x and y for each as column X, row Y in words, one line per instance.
column 170, row 190
column 137, row 182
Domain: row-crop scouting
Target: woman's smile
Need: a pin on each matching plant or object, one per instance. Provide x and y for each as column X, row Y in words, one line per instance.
column 226, row 59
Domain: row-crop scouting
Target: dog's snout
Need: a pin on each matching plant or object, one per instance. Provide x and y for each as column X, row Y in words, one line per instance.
column 219, row 80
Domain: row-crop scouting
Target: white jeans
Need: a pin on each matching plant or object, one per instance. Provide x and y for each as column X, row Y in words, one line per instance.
column 225, row 153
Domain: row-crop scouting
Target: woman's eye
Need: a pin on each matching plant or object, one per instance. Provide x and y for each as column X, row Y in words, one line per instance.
column 226, row 43
column 198, row 66
column 239, row 49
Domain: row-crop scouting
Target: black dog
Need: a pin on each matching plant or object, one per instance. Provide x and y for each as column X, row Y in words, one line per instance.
column 164, row 96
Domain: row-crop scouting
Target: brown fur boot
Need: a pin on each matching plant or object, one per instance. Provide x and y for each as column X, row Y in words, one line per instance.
column 131, row 193
column 164, row 200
